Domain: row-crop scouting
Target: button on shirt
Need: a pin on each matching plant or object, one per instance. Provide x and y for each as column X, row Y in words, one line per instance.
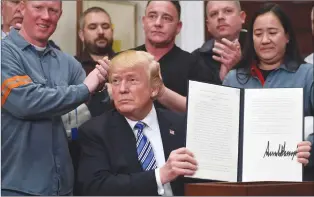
column 152, row 132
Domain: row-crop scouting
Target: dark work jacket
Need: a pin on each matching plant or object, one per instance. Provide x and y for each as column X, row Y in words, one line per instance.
column 205, row 58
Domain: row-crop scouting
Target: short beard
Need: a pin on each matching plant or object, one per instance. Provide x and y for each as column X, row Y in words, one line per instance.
column 95, row 50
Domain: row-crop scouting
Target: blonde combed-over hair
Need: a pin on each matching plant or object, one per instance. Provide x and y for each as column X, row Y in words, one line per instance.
column 132, row 59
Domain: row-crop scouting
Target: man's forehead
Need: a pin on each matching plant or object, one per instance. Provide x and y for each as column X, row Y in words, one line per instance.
column 221, row 4
column 125, row 72
column 97, row 17
column 163, row 7
column 53, row 3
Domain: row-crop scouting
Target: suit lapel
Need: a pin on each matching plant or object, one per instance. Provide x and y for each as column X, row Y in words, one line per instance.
column 168, row 138
column 127, row 143
column 171, row 141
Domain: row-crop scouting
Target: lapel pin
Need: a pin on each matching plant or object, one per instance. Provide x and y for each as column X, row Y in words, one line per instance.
column 171, row 132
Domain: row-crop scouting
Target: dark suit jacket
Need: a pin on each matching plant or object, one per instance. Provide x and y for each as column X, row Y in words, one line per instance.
column 108, row 164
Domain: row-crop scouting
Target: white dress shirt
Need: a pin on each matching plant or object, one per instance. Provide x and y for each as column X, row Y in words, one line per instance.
column 3, row 35
column 309, row 59
column 152, row 132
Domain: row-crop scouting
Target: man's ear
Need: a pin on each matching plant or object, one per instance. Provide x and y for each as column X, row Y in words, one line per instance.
column 208, row 25
column 242, row 16
column 143, row 20
column 179, row 27
column 155, row 91
column 287, row 38
column 81, row 35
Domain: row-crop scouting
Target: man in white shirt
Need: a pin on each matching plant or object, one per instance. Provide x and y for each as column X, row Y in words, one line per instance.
column 135, row 149
column 310, row 58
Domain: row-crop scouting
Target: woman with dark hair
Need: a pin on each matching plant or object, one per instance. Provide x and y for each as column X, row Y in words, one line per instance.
column 271, row 59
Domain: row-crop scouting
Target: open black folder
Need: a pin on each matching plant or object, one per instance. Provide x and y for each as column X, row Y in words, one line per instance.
column 243, row 135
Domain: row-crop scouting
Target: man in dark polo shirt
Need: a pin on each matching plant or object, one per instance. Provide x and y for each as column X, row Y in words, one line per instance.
column 96, row 33
column 161, row 26
column 218, row 55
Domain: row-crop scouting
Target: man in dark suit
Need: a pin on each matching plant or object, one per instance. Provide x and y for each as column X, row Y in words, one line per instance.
column 134, row 149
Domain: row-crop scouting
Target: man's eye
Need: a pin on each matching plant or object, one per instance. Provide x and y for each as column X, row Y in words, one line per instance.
column 152, row 16
column 53, row 10
column 213, row 14
column 115, row 81
column 106, row 26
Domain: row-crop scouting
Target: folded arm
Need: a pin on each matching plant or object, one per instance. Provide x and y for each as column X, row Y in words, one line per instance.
column 26, row 99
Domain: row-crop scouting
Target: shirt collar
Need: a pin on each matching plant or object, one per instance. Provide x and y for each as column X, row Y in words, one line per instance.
column 3, row 34
column 287, row 65
column 208, row 46
column 173, row 50
column 18, row 39
column 150, row 120
column 22, row 43
column 85, row 57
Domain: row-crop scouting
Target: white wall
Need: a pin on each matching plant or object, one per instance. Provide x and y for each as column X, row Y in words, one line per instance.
column 192, row 16
column 65, row 34
column 192, row 33
column 191, row 36
column 140, row 9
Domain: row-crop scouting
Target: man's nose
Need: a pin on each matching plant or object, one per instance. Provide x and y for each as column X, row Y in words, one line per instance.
column 45, row 14
column 123, row 87
column 18, row 9
column 158, row 21
column 221, row 15
column 100, row 30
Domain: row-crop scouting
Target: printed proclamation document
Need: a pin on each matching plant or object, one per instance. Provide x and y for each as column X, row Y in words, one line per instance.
column 245, row 135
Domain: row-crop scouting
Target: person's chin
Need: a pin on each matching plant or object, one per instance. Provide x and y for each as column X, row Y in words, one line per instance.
column 224, row 34
column 43, row 38
column 125, row 108
column 157, row 38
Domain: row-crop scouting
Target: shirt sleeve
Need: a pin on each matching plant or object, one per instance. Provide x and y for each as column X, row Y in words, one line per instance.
column 78, row 72
column 24, row 98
